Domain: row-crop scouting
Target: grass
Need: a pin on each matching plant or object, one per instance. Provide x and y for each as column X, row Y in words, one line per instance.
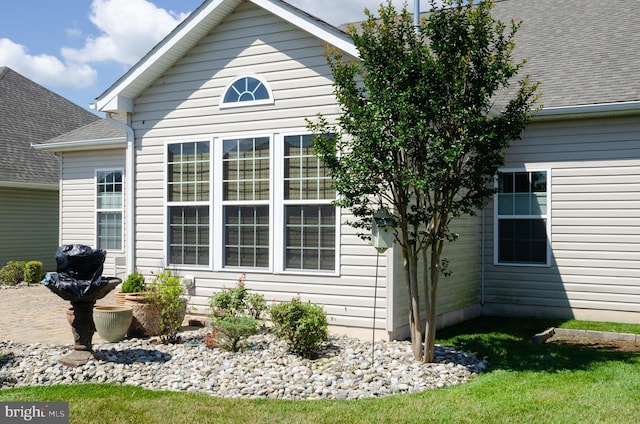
column 615, row 327
column 525, row 383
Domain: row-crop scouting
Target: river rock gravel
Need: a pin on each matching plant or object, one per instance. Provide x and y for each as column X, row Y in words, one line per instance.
column 262, row 369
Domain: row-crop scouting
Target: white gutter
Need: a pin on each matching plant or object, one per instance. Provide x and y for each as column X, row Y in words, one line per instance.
column 68, row 146
column 588, row 111
column 35, row 186
column 130, row 184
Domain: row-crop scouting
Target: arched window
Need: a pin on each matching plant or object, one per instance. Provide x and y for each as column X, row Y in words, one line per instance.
column 246, row 90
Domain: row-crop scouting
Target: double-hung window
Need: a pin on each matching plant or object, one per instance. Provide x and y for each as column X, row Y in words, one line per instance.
column 522, row 218
column 310, row 218
column 188, row 197
column 109, row 207
column 246, row 195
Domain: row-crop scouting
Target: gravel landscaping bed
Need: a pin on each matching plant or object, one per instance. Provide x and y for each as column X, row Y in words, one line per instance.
column 263, row 369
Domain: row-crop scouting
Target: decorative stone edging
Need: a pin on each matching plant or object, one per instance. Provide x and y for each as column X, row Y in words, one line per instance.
column 604, row 335
column 590, row 334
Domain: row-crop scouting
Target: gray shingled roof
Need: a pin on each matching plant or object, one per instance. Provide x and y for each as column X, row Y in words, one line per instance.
column 583, row 51
column 98, row 130
column 29, row 113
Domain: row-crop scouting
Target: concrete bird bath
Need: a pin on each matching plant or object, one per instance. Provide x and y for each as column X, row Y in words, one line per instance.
column 79, row 280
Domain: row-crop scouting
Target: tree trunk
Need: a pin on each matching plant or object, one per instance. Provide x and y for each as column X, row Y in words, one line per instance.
column 431, row 277
column 415, row 322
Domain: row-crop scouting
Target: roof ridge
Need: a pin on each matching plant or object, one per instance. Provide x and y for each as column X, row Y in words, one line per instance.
column 4, row 70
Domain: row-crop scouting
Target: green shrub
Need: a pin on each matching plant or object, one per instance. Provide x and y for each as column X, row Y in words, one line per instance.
column 33, row 272
column 302, row 325
column 238, row 302
column 231, row 330
column 256, row 305
column 235, row 314
column 166, row 294
column 12, row 273
column 133, row 284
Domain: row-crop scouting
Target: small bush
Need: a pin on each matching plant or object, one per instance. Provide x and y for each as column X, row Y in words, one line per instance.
column 302, row 325
column 238, row 302
column 166, row 294
column 33, row 272
column 12, row 273
column 133, row 284
column 231, row 330
column 235, row 314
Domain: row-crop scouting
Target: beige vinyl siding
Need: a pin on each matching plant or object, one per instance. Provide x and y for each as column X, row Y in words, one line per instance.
column 184, row 105
column 458, row 293
column 29, row 228
column 78, row 197
column 595, row 224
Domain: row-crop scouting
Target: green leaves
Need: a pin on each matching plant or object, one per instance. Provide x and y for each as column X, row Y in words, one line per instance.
column 416, row 110
column 302, row 325
column 236, row 314
column 417, row 130
column 166, row 294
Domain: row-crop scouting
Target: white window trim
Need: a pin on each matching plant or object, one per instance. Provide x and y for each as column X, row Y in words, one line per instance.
column 166, row 204
column 547, row 218
column 276, row 205
column 268, row 101
column 96, row 210
column 279, row 199
column 219, row 203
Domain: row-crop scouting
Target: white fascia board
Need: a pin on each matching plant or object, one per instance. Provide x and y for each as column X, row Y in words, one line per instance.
column 588, row 111
column 334, row 37
column 34, row 186
column 117, row 103
column 69, row 146
column 115, row 98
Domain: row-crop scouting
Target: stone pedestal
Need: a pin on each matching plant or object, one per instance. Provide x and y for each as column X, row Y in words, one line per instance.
column 82, row 328
column 82, row 325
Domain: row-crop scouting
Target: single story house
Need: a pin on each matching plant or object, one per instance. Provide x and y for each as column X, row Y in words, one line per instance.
column 211, row 173
column 29, row 178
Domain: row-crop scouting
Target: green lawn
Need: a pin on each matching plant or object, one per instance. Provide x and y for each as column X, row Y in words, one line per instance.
column 525, row 383
column 615, row 327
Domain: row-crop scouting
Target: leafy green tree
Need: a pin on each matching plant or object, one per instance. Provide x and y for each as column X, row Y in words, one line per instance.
column 418, row 132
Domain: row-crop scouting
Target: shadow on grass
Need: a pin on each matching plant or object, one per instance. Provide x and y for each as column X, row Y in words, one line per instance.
column 507, row 345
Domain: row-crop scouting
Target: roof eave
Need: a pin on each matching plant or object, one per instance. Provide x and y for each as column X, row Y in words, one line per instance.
column 119, row 97
column 26, row 185
column 70, row 146
column 598, row 110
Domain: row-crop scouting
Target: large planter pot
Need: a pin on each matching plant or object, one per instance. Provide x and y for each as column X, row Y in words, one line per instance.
column 112, row 322
column 146, row 315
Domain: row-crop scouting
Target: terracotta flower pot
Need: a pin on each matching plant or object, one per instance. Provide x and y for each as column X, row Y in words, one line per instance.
column 112, row 322
column 70, row 315
column 146, row 315
column 119, row 298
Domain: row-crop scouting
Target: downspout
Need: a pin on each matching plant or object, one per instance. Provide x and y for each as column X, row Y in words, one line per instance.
column 416, row 15
column 130, row 184
column 482, row 259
